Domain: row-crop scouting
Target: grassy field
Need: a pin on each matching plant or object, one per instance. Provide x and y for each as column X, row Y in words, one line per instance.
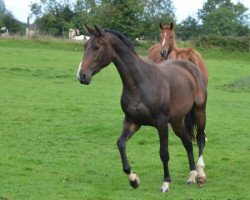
column 58, row 138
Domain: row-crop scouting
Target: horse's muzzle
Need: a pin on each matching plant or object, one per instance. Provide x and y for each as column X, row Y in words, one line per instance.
column 84, row 79
column 164, row 53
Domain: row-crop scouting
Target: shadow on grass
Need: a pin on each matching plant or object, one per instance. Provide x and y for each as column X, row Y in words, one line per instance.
column 239, row 85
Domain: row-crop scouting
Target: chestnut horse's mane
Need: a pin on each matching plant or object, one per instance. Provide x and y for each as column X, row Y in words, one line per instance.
column 123, row 38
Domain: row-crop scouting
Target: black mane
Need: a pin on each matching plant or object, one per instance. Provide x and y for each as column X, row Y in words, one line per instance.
column 123, row 38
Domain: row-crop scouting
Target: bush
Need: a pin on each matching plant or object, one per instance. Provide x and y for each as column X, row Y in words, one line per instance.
column 229, row 42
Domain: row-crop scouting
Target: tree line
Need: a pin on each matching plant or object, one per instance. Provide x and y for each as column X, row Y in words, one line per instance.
column 137, row 18
column 8, row 20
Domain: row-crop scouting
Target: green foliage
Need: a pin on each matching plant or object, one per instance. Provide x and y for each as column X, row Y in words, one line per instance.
column 140, row 18
column 229, row 43
column 218, row 17
column 220, row 22
column 13, row 25
column 188, row 28
column 134, row 18
column 58, row 138
column 222, row 17
column 155, row 12
column 8, row 20
column 53, row 17
column 2, row 7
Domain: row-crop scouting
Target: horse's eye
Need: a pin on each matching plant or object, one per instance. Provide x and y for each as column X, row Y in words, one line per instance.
column 96, row 47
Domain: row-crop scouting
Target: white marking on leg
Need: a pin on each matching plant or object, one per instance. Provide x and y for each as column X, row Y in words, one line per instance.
column 132, row 176
column 200, row 167
column 200, row 162
column 192, row 176
column 165, row 187
column 134, row 180
column 78, row 71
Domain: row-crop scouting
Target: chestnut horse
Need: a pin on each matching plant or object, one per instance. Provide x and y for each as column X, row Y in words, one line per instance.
column 167, row 49
column 173, row 92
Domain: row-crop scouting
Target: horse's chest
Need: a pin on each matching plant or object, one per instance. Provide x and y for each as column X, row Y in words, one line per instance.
column 139, row 113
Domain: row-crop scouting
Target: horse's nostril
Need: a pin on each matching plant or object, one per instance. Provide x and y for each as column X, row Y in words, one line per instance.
column 84, row 79
column 162, row 52
column 83, row 76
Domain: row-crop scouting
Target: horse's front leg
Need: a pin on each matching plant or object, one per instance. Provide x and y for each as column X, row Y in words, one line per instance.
column 164, row 155
column 129, row 128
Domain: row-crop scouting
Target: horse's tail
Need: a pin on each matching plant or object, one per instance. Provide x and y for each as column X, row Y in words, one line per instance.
column 190, row 124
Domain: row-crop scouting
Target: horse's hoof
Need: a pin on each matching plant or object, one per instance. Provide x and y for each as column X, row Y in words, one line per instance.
column 189, row 182
column 192, row 177
column 135, row 183
column 163, row 190
column 165, row 187
column 201, row 180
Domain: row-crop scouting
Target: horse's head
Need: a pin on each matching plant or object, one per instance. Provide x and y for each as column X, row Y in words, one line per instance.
column 98, row 53
column 167, row 39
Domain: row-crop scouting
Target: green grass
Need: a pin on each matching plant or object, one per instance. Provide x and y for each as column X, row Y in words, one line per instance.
column 58, row 138
column 242, row 84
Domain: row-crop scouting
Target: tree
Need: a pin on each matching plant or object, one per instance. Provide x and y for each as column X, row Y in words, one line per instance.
column 123, row 16
column 2, row 7
column 85, row 13
column 220, row 22
column 188, row 28
column 223, row 17
column 53, row 16
column 157, row 11
column 8, row 20
column 13, row 25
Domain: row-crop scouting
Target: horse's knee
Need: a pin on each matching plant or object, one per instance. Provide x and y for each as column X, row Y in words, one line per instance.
column 120, row 143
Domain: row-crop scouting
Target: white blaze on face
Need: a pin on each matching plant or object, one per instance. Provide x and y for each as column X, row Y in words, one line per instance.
column 164, row 39
column 78, row 71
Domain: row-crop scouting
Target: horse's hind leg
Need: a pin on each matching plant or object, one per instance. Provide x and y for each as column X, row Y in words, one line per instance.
column 200, row 120
column 164, row 155
column 180, row 130
column 129, row 128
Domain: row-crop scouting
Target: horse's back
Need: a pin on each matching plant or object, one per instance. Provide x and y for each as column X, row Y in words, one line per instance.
column 201, row 65
column 187, row 71
column 193, row 56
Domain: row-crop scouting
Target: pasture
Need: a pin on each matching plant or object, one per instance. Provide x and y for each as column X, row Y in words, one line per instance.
column 58, row 138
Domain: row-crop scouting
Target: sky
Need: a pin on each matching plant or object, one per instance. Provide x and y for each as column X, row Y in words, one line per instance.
column 183, row 8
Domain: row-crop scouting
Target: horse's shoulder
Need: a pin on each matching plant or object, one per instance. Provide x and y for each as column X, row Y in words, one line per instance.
column 153, row 47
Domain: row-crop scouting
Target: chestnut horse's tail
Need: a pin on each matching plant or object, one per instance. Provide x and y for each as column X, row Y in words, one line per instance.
column 190, row 124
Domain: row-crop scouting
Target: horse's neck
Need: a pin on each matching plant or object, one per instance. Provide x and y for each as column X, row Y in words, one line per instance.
column 173, row 46
column 131, row 68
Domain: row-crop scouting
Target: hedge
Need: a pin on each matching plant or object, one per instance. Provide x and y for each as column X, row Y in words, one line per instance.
column 229, row 42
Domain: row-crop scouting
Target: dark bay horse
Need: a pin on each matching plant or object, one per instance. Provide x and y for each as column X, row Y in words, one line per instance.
column 167, row 49
column 173, row 92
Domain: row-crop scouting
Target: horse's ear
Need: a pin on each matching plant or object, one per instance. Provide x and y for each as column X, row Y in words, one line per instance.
column 99, row 31
column 172, row 25
column 91, row 31
column 161, row 26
